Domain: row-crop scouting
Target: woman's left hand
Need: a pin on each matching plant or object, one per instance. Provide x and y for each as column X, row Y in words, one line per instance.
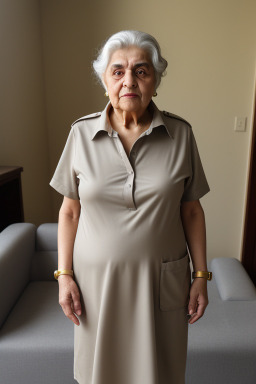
column 198, row 299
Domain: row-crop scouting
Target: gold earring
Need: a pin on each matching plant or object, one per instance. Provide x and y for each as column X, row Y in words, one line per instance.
column 155, row 94
column 106, row 93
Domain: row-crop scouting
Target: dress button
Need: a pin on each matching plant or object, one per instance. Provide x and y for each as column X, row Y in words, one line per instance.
column 129, row 185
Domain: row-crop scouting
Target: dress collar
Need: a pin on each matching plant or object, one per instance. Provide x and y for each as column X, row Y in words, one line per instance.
column 104, row 124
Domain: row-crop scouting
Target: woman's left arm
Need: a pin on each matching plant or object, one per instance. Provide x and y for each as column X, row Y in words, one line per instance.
column 192, row 216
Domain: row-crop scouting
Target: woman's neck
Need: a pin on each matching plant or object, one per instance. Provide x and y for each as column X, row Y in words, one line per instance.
column 130, row 120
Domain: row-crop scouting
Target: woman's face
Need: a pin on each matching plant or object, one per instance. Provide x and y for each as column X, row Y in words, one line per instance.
column 130, row 79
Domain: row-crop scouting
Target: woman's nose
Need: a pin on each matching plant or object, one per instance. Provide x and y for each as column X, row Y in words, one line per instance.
column 129, row 80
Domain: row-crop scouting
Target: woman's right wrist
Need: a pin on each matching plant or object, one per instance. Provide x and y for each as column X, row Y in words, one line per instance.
column 63, row 272
column 65, row 277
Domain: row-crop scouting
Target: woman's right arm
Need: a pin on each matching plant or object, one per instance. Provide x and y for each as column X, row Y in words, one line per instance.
column 69, row 296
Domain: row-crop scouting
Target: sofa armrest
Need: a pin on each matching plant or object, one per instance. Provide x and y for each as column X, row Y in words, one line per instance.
column 17, row 245
column 45, row 260
column 232, row 280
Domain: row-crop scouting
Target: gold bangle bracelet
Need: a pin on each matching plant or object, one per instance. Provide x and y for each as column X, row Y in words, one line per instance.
column 63, row 272
column 205, row 274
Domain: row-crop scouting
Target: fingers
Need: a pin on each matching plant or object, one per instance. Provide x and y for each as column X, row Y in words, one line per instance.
column 69, row 299
column 67, row 309
column 192, row 306
column 196, row 310
column 197, row 313
column 198, row 301
column 76, row 302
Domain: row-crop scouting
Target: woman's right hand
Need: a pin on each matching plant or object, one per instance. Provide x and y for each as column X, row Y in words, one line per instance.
column 69, row 298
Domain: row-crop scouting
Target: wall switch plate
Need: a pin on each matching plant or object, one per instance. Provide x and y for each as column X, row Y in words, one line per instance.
column 240, row 124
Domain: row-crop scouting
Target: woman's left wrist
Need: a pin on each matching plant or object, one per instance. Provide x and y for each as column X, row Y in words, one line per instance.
column 202, row 274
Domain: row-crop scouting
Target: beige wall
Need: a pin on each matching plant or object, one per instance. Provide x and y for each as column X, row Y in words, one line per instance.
column 210, row 47
column 23, row 135
column 66, row 34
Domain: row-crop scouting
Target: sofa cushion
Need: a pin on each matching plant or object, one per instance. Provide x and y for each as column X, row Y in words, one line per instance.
column 36, row 340
column 222, row 343
column 232, row 279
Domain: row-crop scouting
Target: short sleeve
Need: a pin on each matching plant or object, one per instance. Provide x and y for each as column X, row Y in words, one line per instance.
column 64, row 179
column 196, row 185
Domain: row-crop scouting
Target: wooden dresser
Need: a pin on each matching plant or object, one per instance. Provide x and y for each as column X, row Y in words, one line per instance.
column 11, row 202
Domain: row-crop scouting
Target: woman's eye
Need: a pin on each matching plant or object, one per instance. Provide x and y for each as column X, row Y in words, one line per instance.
column 140, row 72
column 118, row 73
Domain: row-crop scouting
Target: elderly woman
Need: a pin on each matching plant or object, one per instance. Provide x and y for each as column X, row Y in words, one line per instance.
column 130, row 220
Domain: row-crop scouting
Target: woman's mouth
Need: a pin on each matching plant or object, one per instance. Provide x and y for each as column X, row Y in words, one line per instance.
column 130, row 95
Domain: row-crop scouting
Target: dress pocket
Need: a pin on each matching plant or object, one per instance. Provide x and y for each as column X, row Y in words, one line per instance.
column 175, row 283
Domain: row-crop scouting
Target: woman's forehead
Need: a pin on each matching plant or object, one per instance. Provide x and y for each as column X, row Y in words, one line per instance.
column 131, row 56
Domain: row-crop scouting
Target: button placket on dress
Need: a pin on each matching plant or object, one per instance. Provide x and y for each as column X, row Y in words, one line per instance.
column 128, row 186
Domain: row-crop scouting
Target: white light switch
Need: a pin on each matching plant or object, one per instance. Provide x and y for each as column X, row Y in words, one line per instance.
column 240, row 124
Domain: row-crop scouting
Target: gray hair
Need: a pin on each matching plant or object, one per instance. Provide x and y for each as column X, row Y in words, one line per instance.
column 124, row 39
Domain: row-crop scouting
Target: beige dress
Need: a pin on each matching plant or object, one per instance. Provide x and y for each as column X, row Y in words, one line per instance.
column 130, row 258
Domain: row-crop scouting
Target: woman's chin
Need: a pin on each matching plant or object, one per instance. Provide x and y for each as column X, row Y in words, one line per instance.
column 132, row 105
